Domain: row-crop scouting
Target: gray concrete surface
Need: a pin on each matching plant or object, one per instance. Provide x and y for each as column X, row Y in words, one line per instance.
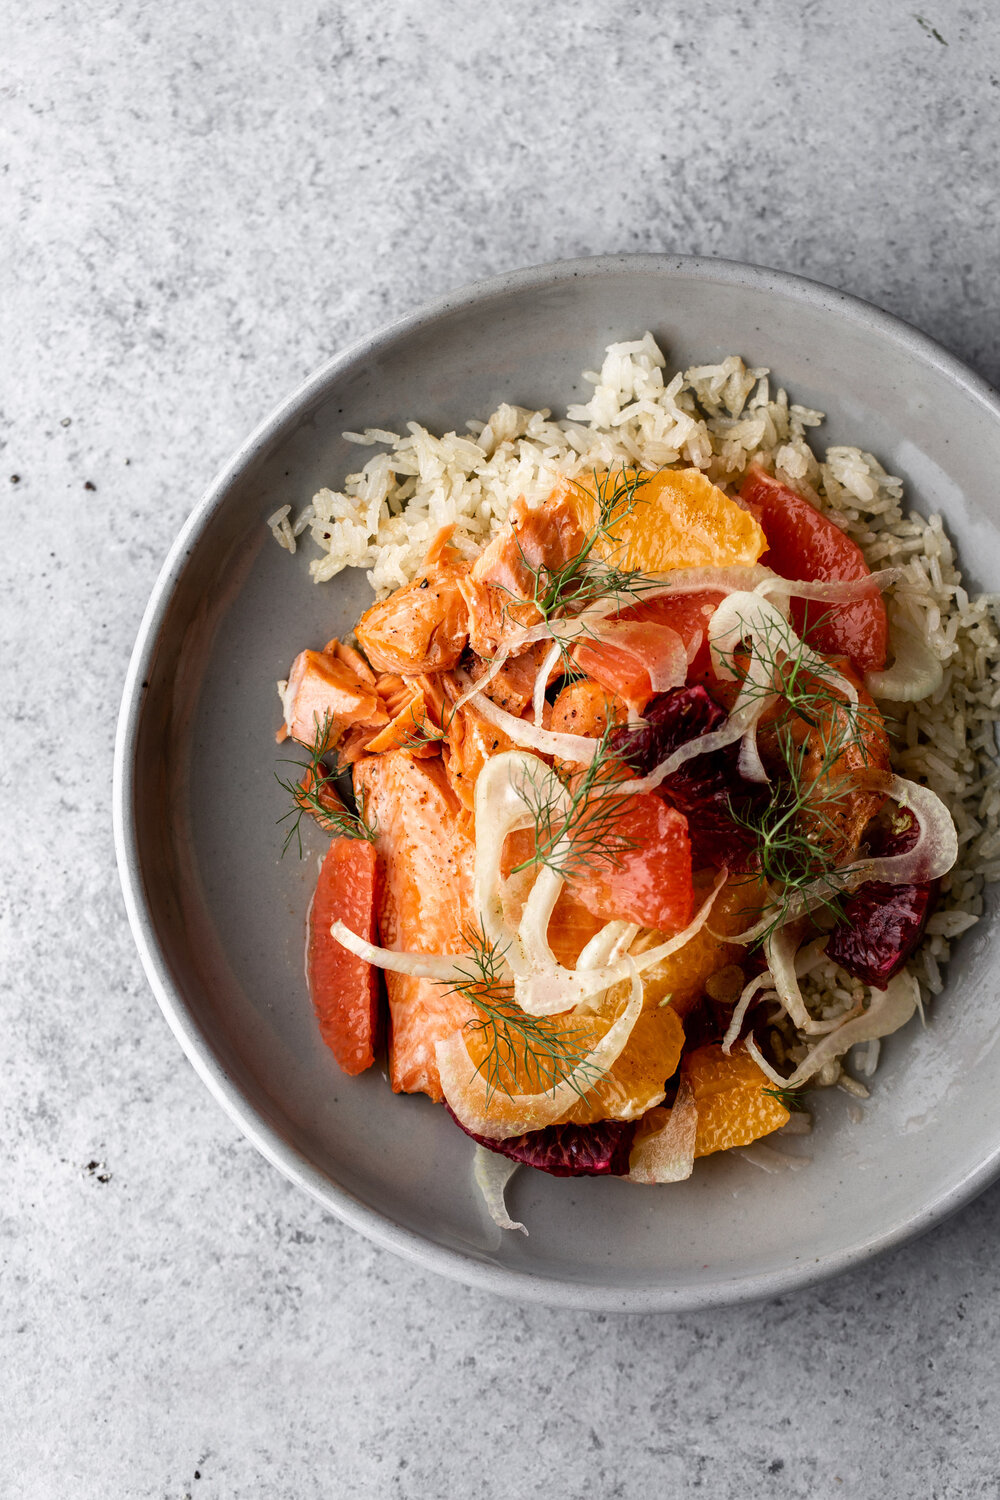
column 200, row 203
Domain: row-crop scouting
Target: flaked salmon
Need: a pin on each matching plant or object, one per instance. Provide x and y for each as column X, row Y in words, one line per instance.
column 511, row 688
column 323, row 690
column 513, row 571
column 424, row 906
column 423, row 627
column 469, row 743
column 584, row 707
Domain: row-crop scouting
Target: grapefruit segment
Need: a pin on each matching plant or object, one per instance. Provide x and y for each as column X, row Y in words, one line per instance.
column 344, row 988
column 802, row 543
column 650, row 882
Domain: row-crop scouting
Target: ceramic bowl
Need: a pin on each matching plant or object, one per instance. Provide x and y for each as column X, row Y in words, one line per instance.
column 219, row 917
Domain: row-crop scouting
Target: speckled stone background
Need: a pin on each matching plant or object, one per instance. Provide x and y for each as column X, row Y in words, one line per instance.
column 200, row 204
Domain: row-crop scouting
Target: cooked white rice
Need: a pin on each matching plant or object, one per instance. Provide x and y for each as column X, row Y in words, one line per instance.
column 719, row 418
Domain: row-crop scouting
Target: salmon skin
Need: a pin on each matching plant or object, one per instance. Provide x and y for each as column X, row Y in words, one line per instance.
column 424, row 906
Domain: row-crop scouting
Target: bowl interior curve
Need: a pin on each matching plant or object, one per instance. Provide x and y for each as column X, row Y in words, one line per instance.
column 221, row 917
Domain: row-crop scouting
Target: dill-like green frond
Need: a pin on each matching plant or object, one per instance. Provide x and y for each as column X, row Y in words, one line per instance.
column 307, row 795
column 797, row 833
column 585, row 579
column 574, row 837
column 523, row 1054
column 790, row 1098
column 425, row 732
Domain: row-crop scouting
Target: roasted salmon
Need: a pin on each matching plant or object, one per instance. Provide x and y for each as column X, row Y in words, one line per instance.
column 325, row 693
column 424, row 906
column 515, row 570
column 423, row 627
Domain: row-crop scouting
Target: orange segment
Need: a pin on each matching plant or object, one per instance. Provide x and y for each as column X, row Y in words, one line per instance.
column 682, row 976
column 680, row 520
column 733, row 1109
column 634, row 1084
column 637, row 1080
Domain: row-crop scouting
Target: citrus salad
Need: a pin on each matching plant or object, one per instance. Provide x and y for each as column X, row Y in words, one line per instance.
column 623, row 860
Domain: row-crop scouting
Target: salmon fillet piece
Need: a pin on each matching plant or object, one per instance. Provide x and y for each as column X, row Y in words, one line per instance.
column 506, row 574
column 324, row 689
column 422, row 627
column 471, row 740
column 424, row 905
column 513, row 686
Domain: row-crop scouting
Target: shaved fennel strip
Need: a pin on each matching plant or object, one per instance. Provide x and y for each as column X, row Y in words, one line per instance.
column 743, row 615
column 573, row 747
column 749, row 764
column 492, row 1173
column 611, row 943
column 915, row 673
column 440, row 966
column 667, row 1155
column 532, row 932
column 644, row 961
column 542, row 681
column 888, row 1010
column 743, row 715
column 500, row 810
column 931, row 857
column 835, row 590
column 780, row 948
column 542, row 986
column 750, row 993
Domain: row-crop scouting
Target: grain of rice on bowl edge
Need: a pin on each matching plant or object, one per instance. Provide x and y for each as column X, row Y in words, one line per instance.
column 719, row 418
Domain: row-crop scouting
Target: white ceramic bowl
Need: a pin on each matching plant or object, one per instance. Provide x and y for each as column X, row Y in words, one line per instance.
column 219, row 918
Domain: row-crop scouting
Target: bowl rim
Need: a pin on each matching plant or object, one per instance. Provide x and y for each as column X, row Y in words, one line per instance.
column 376, row 1226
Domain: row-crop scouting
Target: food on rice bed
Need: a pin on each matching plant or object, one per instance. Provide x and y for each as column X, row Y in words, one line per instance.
column 673, row 770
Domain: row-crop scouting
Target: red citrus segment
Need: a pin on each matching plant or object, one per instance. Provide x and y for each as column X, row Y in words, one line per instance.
column 801, row 543
column 634, row 659
column 650, row 882
column 344, row 988
column 688, row 615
